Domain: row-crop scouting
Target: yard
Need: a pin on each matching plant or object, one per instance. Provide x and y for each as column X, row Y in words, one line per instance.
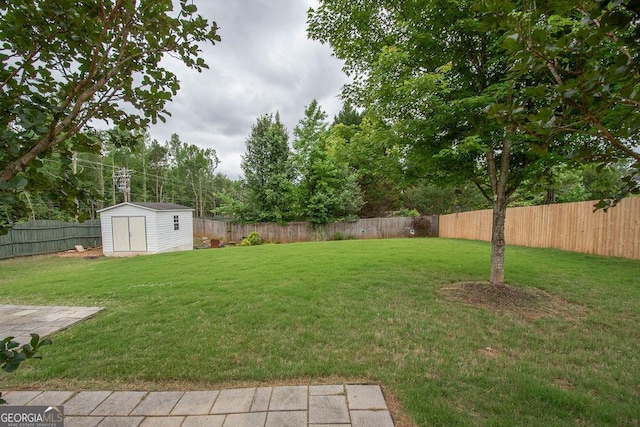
column 563, row 346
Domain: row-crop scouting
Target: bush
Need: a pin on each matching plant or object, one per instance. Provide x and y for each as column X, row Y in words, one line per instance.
column 12, row 354
column 411, row 213
column 421, row 225
column 254, row 238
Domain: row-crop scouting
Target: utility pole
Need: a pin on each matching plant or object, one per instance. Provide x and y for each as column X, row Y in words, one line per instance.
column 122, row 181
column 74, row 170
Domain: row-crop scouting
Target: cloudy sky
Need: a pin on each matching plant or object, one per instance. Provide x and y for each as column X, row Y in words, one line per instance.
column 264, row 64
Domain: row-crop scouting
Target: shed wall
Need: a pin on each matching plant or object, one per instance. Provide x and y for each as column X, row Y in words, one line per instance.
column 168, row 239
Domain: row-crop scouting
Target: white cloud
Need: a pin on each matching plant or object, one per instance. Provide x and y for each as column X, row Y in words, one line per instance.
column 264, row 64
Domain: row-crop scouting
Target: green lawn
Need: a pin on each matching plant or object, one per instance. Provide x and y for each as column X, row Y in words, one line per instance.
column 369, row 310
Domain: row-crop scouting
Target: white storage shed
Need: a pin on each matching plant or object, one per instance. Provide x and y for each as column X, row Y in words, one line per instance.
column 133, row 228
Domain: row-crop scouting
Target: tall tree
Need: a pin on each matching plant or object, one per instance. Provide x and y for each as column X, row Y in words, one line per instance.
column 327, row 189
column 191, row 174
column 435, row 71
column 65, row 63
column 374, row 152
column 268, row 171
column 158, row 161
column 348, row 115
column 310, row 130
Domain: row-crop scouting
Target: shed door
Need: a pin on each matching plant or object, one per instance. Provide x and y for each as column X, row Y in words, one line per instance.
column 129, row 234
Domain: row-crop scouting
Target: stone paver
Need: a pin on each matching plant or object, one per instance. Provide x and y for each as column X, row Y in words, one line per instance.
column 162, row 422
column 119, row 403
column 371, row 419
column 20, row 398
column 158, row 403
column 326, row 390
column 289, row 398
column 261, row 399
column 251, row 419
column 85, row 402
column 121, row 422
column 195, row 403
column 50, row 398
column 287, row 419
column 328, row 410
column 365, row 397
column 233, row 401
column 82, row 421
column 204, row 421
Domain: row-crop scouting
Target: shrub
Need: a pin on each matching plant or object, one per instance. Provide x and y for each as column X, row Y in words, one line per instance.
column 254, row 238
column 411, row 213
column 12, row 354
column 421, row 225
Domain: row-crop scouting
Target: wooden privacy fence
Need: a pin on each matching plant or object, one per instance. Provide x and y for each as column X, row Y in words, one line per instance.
column 45, row 236
column 569, row 226
column 368, row 228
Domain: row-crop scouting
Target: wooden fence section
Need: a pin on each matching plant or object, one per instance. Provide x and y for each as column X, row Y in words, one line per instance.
column 45, row 236
column 569, row 226
column 368, row 228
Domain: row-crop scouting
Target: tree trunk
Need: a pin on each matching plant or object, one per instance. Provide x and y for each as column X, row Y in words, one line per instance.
column 498, row 176
column 498, row 242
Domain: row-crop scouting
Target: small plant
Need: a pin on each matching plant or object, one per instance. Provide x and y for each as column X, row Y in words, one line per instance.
column 12, row 354
column 254, row 238
column 338, row 236
column 411, row 213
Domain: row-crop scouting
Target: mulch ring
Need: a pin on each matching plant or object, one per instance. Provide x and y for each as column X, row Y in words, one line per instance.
column 531, row 303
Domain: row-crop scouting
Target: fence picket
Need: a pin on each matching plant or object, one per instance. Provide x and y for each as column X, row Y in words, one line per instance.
column 568, row 226
column 367, row 228
column 46, row 236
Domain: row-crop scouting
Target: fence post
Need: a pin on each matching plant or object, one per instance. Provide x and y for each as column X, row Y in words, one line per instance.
column 13, row 246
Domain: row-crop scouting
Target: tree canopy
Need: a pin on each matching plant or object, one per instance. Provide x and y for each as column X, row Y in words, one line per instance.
column 67, row 63
column 268, row 171
column 580, row 62
column 327, row 190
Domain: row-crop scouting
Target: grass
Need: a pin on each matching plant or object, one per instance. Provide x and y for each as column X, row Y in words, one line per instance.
column 365, row 311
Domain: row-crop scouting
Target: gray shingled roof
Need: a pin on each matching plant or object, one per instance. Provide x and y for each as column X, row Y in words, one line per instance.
column 160, row 206
column 152, row 206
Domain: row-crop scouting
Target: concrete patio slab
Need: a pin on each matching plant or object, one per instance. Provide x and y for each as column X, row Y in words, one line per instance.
column 19, row 321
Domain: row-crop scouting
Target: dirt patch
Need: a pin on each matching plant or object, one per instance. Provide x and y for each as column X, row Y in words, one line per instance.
column 531, row 303
column 89, row 253
column 491, row 352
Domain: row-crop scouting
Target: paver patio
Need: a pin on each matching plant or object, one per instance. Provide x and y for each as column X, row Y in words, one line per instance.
column 281, row 406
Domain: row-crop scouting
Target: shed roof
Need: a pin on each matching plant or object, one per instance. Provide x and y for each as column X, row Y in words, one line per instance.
column 151, row 206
